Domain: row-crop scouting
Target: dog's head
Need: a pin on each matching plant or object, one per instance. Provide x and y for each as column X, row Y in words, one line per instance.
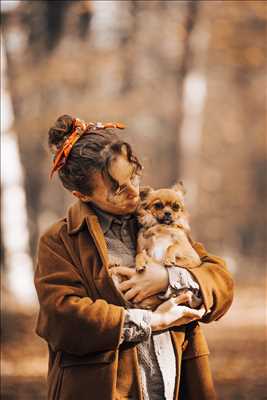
column 163, row 206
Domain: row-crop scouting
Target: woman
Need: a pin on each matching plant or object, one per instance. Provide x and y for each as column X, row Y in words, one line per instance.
column 98, row 350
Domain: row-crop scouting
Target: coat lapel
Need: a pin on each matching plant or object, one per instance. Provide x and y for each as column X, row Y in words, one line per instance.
column 102, row 278
column 78, row 215
column 99, row 240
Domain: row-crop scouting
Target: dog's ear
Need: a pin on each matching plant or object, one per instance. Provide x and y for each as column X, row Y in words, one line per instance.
column 179, row 187
column 144, row 192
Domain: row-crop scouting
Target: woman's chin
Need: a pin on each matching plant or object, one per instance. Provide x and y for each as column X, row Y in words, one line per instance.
column 134, row 202
column 129, row 207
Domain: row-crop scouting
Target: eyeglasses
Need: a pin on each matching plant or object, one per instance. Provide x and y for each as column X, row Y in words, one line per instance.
column 135, row 180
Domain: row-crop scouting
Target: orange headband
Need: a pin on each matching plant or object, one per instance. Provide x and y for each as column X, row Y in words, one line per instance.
column 79, row 129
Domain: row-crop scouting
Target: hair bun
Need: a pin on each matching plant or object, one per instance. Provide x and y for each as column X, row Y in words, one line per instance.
column 59, row 132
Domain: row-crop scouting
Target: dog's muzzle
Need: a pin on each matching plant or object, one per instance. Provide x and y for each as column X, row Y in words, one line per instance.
column 166, row 220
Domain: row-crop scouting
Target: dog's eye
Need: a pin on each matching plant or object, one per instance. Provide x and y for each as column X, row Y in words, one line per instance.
column 158, row 206
column 176, row 207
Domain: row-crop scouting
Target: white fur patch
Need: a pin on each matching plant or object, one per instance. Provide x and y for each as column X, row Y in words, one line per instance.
column 159, row 249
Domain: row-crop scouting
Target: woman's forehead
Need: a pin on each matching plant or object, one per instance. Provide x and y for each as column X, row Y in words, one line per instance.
column 120, row 169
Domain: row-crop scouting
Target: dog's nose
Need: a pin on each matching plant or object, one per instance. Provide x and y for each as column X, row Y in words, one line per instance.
column 167, row 214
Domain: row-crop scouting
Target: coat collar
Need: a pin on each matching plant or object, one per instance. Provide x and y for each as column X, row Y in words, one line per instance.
column 106, row 219
column 77, row 215
column 81, row 214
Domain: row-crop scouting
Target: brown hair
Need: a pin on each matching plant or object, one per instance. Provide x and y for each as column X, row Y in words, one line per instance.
column 92, row 152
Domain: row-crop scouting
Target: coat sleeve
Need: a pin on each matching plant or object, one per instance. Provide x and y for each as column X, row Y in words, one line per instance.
column 216, row 284
column 69, row 320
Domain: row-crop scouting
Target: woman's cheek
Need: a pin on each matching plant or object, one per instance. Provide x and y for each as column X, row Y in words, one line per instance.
column 112, row 199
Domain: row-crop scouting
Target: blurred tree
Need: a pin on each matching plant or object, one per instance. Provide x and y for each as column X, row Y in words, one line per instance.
column 54, row 16
column 127, row 48
column 37, row 28
column 232, row 198
column 184, row 67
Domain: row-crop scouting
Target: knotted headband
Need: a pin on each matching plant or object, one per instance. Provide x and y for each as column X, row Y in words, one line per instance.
column 79, row 129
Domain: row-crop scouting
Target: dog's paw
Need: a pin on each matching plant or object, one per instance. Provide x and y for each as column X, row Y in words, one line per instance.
column 140, row 268
column 140, row 263
column 169, row 261
column 114, row 265
column 187, row 262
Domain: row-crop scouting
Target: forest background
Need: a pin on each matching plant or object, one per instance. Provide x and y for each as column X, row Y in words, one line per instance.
column 188, row 78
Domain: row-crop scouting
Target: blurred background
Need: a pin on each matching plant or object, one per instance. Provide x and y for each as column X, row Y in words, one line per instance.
column 188, row 78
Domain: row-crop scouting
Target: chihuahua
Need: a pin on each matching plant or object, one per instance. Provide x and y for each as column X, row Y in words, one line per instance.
column 164, row 233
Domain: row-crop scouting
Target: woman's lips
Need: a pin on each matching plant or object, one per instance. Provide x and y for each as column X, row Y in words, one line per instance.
column 133, row 199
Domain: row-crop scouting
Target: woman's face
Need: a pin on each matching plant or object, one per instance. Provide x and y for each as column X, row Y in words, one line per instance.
column 122, row 201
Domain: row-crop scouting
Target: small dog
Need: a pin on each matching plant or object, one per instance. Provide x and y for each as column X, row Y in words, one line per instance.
column 164, row 233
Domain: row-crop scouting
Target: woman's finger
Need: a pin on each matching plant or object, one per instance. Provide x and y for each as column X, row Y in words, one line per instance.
column 140, row 297
column 148, row 303
column 184, row 321
column 185, row 315
column 126, row 285
column 202, row 311
column 125, row 271
column 191, row 312
column 131, row 293
column 183, row 298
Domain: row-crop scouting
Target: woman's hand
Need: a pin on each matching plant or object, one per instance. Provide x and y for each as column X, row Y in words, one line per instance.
column 170, row 313
column 150, row 303
column 140, row 285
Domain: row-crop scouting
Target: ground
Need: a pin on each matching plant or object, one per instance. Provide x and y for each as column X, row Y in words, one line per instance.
column 237, row 345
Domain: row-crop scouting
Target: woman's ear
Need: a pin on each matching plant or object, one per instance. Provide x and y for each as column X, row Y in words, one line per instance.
column 80, row 196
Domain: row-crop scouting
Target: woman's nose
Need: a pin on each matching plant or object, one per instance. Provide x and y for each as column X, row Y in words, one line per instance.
column 132, row 192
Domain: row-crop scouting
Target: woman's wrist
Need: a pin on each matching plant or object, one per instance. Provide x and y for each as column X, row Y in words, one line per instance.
column 157, row 321
column 137, row 325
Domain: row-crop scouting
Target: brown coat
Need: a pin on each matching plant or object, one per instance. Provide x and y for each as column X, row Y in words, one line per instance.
column 81, row 313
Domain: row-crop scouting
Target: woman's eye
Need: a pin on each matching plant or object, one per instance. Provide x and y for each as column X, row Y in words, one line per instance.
column 176, row 207
column 135, row 180
column 158, row 206
column 120, row 189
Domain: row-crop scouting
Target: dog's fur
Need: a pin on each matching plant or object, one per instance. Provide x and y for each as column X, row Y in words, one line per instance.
column 164, row 233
